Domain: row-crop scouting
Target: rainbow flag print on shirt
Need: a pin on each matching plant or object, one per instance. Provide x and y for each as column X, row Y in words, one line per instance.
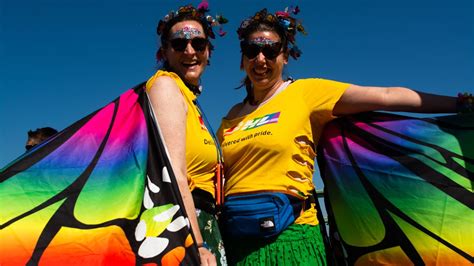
column 254, row 123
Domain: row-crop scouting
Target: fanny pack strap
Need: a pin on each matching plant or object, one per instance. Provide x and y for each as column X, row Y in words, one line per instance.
column 308, row 201
column 300, row 206
column 203, row 200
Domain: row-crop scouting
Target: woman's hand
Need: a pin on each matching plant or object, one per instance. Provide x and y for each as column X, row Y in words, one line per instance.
column 206, row 257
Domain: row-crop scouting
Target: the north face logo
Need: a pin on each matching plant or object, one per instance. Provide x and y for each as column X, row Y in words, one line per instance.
column 267, row 224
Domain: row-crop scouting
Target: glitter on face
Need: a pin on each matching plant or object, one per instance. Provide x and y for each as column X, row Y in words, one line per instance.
column 262, row 41
column 186, row 33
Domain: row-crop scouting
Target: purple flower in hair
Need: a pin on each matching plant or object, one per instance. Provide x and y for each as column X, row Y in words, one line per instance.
column 296, row 10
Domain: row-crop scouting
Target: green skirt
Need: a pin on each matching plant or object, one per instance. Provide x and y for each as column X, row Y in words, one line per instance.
column 211, row 235
column 299, row 244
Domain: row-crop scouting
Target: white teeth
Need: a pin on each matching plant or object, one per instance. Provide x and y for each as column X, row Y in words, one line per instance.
column 190, row 63
column 260, row 71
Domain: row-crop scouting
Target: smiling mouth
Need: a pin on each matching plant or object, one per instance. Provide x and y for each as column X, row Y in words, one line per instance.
column 261, row 72
column 190, row 64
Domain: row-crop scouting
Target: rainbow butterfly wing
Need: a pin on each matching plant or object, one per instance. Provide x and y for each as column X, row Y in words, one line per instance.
column 399, row 190
column 99, row 192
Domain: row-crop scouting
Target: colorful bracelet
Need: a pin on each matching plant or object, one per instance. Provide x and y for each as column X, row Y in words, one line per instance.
column 465, row 103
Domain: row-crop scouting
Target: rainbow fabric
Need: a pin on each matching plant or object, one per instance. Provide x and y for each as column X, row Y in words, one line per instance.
column 100, row 192
column 399, row 190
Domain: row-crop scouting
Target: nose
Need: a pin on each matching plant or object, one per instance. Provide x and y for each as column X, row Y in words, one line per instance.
column 189, row 49
column 260, row 57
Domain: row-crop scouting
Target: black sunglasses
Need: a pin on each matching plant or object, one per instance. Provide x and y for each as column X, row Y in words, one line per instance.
column 199, row 44
column 270, row 51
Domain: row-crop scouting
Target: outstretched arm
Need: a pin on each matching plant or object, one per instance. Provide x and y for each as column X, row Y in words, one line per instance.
column 358, row 99
column 170, row 111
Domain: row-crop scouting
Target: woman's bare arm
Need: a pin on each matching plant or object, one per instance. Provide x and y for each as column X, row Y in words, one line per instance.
column 358, row 99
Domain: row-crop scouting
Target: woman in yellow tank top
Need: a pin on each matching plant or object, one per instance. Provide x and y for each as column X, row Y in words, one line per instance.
column 185, row 50
column 269, row 141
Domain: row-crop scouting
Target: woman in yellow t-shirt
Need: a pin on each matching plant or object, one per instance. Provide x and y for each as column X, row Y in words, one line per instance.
column 173, row 90
column 269, row 141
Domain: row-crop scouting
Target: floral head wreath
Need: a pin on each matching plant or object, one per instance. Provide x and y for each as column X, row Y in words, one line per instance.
column 199, row 14
column 289, row 25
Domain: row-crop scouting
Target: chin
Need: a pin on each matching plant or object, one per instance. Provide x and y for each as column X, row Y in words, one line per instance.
column 193, row 74
column 192, row 78
column 260, row 82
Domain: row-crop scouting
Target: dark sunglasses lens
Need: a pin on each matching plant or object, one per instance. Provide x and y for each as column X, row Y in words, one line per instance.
column 199, row 44
column 271, row 51
column 179, row 44
column 250, row 50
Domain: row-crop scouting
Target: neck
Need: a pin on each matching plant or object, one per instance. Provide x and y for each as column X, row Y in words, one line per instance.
column 193, row 85
column 194, row 88
column 261, row 95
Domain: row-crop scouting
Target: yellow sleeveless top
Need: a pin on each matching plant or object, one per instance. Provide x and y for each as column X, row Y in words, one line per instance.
column 272, row 148
column 201, row 151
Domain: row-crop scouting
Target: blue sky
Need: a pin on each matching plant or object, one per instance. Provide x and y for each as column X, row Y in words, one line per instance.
column 63, row 59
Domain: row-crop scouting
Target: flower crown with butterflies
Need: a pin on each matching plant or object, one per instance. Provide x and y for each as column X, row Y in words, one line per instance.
column 198, row 14
column 282, row 19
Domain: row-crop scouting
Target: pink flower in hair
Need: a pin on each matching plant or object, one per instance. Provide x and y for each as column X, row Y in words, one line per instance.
column 222, row 32
column 204, row 5
column 282, row 14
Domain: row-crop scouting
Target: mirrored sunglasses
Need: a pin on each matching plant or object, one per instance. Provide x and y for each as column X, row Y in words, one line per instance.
column 199, row 44
column 270, row 51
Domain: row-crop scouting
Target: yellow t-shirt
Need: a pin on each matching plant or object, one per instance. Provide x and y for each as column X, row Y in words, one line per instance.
column 272, row 148
column 201, row 151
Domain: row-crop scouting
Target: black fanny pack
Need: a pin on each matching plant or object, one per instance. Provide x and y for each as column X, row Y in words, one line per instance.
column 204, row 200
